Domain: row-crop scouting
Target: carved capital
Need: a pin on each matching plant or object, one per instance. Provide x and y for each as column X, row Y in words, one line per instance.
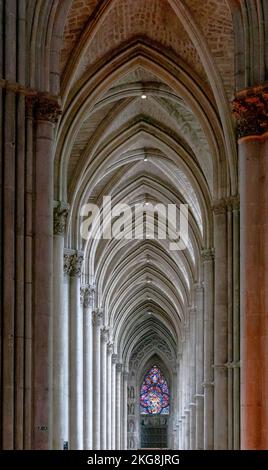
column 110, row 347
column 219, row 207
column 97, row 316
column 67, row 261
column 105, row 334
column 125, row 375
column 76, row 261
column 250, row 109
column 114, row 358
column 87, row 296
column 119, row 367
column 60, row 213
column 199, row 286
column 233, row 203
column 207, row 384
column 43, row 107
column 207, row 254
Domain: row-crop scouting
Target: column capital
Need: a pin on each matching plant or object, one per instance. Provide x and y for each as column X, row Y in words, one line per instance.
column 233, row 365
column 233, row 203
column 87, row 294
column 67, row 260
column 110, row 347
column 219, row 207
column 207, row 384
column 60, row 214
column 105, row 334
column 119, row 367
column 76, row 262
column 192, row 311
column 43, row 107
column 199, row 286
column 125, row 375
column 250, row 111
column 207, row 254
column 219, row 367
column 114, row 358
column 97, row 316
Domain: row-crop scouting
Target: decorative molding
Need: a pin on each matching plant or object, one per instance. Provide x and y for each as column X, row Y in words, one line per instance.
column 60, row 214
column 87, row 294
column 97, row 316
column 250, row 109
column 43, row 107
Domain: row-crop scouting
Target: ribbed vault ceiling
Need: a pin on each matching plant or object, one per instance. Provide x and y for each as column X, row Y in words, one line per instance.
column 114, row 52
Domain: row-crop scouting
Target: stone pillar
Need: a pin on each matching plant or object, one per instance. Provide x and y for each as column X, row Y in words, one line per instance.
column 45, row 111
column 97, row 321
column 118, row 405
column 250, row 110
column 113, row 407
column 192, row 375
column 104, row 340
column 236, row 327
column 192, row 408
column 76, row 353
column 59, row 331
column 199, row 370
column 109, row 395
column 208, row 266
column 220, row 328
column 124, row 430
column 87, row 297
column 187, row 428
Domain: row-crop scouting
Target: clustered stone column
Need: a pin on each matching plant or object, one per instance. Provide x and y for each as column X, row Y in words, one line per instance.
column 113, row 385
column 42, row 111
column 104, row 341
column 209, row 359
column 119, row 368
column 87, row 298
column 208, row 384
column 250, row 111
column 109, row 430
column 74, row 261
column 97, row 322
column 59, row 335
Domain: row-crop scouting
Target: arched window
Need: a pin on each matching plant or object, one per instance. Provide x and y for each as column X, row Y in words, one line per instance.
column 154, row 394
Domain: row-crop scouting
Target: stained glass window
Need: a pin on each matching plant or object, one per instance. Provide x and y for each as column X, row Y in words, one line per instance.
column 154, row 394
